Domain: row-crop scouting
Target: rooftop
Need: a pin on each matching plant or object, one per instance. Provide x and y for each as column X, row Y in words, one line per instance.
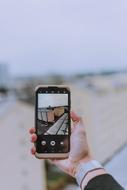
column 117, row 167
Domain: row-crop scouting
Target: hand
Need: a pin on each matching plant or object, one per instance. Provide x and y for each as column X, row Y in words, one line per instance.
column 79, row 147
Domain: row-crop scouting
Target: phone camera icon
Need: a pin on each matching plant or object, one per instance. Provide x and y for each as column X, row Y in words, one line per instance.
column 52, row 143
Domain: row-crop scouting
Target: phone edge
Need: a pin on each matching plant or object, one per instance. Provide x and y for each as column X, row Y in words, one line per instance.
column 50, row 155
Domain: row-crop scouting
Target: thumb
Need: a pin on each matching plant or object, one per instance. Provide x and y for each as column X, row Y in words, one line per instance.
column 75, row 117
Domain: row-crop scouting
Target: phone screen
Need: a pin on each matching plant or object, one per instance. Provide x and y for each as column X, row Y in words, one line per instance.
column 53, row 120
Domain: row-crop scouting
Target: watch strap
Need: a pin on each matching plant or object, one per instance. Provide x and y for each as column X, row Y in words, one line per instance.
column 85, row 168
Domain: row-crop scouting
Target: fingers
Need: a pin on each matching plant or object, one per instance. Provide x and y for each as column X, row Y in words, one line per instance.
column 33, row 138
column 32, row 130
column 33, row 150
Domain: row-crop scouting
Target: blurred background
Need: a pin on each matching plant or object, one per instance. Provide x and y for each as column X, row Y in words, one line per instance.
column 82, row 44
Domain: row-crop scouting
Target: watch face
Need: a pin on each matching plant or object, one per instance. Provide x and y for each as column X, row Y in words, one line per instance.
column 53, row 120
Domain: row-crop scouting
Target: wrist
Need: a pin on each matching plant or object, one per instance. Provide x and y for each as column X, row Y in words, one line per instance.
column 87, row 170
column 75, row 165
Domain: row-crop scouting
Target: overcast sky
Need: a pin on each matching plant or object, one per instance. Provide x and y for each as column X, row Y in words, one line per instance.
column 53, row 100
column 66, row 36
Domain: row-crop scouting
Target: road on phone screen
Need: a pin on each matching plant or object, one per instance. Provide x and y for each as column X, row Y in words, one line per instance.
column 60, row 127
column 19, row 169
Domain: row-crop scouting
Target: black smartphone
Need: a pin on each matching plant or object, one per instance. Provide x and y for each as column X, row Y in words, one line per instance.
column 52, row 121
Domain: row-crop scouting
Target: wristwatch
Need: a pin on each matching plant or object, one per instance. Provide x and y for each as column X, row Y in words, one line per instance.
column 84, row 168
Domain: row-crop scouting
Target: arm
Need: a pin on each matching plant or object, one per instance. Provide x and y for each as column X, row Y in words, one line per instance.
column 90, row 175
column 103, row 182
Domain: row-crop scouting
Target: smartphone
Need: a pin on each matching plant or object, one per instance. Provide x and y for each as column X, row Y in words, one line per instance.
column 52, row 121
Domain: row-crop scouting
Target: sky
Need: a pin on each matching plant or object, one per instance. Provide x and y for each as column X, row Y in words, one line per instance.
column 53, row 100
column 63, row 36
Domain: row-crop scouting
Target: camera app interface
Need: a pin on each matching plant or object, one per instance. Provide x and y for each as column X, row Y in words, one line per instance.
column 53, row 121
column 53, row 114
